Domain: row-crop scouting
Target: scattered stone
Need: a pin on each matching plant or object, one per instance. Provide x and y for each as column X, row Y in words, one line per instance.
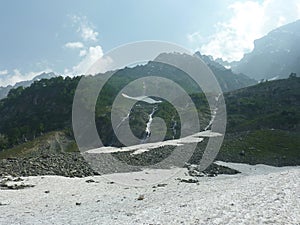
column 4, row 203
column 211, row 171
column 18, row 186
column 141, row 197
column 17, row 179
column 193, row 170
column 90, row 181
column 40, row 163
column 211, row 175
column 74, row 165
column 159, row 185
column 189, row 180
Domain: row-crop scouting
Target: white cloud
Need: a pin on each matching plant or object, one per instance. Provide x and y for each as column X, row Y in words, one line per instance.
column 82, row 52
column 3, row 72
column 74, row 45
column 195, row 37
column 17, row 76
column 85, row 28
column 92, row 62
column 91, row 57
column 89, row 54
column 250, row 20
column 87, row 33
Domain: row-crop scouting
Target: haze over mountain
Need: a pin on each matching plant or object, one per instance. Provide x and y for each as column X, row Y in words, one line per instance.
column 4, row 90
column 227, row 79
column 275, row 55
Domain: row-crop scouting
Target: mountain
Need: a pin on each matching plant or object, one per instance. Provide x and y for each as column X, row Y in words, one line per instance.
column 47, row 104
column 263, row 123
column 267, row 105
column 262, row 118
column 4, row 90
column 227, row 79
column 275, row 55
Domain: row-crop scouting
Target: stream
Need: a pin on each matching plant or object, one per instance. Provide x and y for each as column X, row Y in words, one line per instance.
column 148, row 126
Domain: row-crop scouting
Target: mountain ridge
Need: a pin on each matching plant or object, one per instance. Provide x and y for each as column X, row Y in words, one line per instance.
column 275, row 55
column 5, row 90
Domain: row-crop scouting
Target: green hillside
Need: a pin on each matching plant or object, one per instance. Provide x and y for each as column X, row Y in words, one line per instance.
column 263, row 120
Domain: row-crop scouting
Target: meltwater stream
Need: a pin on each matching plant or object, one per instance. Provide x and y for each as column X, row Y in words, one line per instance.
column 213, row 114
column 148, row 126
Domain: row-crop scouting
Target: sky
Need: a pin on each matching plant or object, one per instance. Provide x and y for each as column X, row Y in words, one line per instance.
column 68, row 36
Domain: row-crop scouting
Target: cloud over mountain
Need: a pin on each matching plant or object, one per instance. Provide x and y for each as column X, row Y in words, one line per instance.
column 250, row 20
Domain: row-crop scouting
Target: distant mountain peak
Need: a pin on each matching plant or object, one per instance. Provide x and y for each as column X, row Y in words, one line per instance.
column 209, row 60
column 227, row 79
column 45, row 75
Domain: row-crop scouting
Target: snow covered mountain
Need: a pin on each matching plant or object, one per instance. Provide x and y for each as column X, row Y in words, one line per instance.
column 4, row 90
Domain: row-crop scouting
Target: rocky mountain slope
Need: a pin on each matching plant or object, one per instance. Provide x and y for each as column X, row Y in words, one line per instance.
column 275, row 55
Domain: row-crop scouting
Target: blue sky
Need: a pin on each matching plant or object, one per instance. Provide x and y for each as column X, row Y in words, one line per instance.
column 67, row 36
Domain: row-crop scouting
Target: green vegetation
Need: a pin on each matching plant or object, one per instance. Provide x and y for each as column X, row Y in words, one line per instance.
column 272, row 147
column 52, row 142
column 272, row 104
column 263, row 120
column 46, row 105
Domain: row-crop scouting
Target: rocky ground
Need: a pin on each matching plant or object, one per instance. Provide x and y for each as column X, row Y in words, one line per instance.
column 74, row 165
column 62, row 164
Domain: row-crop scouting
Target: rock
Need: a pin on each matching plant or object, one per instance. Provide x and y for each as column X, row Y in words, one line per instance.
column 78, row 203
column 19, row 186
column 211, row 171
column 90, row 181
column 141, row 197
column 18, row 179
column 4, row 203
column 189, row 180
column 161, row 185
